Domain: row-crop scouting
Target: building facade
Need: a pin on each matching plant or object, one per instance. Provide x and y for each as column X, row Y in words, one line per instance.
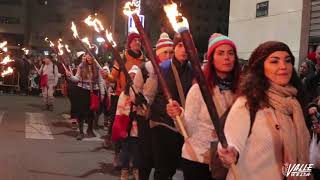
column 27, row 22
column 252, row 22
column 30, row 21
column 205, row 17
column 13, row 22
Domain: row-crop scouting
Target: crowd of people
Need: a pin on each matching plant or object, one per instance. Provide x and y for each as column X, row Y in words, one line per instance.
column 269, row 111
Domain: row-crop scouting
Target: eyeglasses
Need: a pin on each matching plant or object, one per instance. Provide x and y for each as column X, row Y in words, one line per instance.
column 167, row 52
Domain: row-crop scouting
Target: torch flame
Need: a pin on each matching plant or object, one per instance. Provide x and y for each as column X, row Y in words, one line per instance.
column 7, row 72
column 3, row 44
column 99, row 24
column 130, row 8
column 110, row 38
column 60, row 46
column 67, row 48
column 178, row 22
column 86, row 40
column 74, row 30
column 26, row 51
column 94, row 22
column 51, row 44
column 6, row 60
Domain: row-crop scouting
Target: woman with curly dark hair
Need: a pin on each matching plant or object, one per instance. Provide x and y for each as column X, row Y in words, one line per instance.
column 265, row 128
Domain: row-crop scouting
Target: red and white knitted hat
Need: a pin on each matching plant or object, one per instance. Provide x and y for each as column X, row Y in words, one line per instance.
column 216, row 40
column 164, row 43
column 131, row 37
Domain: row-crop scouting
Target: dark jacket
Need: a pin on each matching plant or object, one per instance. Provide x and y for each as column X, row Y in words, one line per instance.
column 311, row 84
column 158, row 107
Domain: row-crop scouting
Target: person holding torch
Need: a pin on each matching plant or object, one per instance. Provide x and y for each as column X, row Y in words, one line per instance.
column 266, row 127
column 133, row 55
column 223, row 74
column 166, row 139
column 145, row 82
column 90, row 84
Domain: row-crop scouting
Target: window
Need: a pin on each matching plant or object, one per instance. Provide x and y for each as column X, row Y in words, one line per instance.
column 43, row 2
column 10, row 2
column 56, row 18
column 9, row 20
column 59, row 18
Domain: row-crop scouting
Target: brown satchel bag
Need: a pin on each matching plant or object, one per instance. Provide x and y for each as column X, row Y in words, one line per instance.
column 218, row 171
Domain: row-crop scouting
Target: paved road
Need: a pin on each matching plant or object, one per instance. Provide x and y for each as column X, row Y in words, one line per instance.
column 40, row 145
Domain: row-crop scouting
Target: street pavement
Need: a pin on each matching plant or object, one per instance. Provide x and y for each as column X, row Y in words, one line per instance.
column 41, row 145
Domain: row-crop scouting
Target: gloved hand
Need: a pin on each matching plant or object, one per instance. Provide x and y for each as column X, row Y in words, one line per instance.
column 140, row 100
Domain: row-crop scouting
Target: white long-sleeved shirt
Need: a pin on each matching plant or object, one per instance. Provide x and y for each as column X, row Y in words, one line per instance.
column 260, row 154
column 51, row 70
column 147, row 87
column 198, row 123
column 85, row 84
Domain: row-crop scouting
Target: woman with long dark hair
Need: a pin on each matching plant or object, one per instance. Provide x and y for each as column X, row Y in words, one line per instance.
column 222, row 73
column 89, row 82
column 265, row 128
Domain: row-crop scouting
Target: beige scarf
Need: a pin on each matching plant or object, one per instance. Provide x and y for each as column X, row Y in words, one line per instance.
column 222, row 100
column 293, row 130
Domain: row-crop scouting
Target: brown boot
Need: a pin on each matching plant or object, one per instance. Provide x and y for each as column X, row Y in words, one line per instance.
column 116, row 161
column 50, row 107
column 124, row 174
column 80, row 136
column 90, row 134
column 135, row 173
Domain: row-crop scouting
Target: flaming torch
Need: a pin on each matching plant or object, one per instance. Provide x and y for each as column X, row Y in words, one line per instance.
column 58, row 50
column 66, row 47
column 3, row 47
column 26, row 51
column 109, row 42
column 130, row 9
column 7, row 72
column 6, row 60
column 180, row 25
column 76, row 36
column 86, row 41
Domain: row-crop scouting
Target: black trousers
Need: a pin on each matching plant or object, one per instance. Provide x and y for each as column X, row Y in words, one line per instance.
column 316, row 173
column 129, row 153
column 24, row 84
column 72, row 95
column 82, row 108
column 194, row 170
column 145, row 147
column 167, row 146
column 113, row 109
